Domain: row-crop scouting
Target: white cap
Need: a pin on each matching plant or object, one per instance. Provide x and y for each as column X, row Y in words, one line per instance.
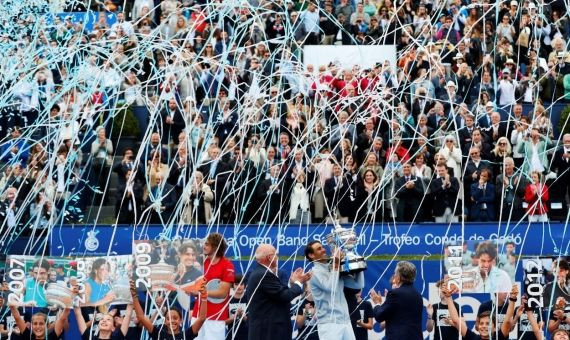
column 531, row 6
column 459, row 55
column 450, row 83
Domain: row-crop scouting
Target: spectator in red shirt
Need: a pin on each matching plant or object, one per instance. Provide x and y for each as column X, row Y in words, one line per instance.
column 536, row 197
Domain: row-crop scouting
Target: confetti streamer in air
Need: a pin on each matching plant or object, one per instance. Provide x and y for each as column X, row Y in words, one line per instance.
column 187, row 113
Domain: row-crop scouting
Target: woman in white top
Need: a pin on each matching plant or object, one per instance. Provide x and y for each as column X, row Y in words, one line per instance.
column 421, row 170
column 299, row 208
column 452, row 154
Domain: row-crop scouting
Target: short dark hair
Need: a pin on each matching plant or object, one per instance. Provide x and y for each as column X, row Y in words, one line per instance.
column 488, row 248
column 309, row 249
column 216, row 240
column 43, row 263
column 238, row 278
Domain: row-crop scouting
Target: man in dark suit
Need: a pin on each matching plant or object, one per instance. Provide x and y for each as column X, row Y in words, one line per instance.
column 465, row 133
column 561, row 163
column 172, row 122
column 271, row 197
column 444, row 190
column 336, row 192
column 436, row 114
column 409, row 191
column 497, row 129
column 216, row 172
column 473, row 169
column 162, row 198
column 478, row 140
column 270, row 299
column 402, row 308
column 180, row 170
column 129, row 200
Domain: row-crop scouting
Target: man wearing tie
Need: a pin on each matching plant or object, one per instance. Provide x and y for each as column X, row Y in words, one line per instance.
column 410, row 192
column 561, row 162
column 270, row 196
column 336, row 190
column 269, row 298
column 284, row 148
column 482, row 198
column 466, row 132
column 215, row 170
column 485, row 121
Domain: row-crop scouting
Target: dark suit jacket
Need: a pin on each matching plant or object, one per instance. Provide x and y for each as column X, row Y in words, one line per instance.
column 269, row 305
column 271, row 203
column 482, row 198
column 335, row 194
column 171, row 131
column 562, row 167
column 444, row 197
column 402, row 312
column 433, row 122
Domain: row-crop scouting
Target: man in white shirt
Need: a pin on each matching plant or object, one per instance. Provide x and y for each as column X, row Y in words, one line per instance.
column 127, row 26
column 311, row 21
column 507, row 86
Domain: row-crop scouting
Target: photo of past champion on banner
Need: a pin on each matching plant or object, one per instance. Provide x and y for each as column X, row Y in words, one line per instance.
column 478, row 267
column 104, row 280
column 169, row 265
column 40, row 281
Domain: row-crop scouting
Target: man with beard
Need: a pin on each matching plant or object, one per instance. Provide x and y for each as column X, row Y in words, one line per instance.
column 327, row 286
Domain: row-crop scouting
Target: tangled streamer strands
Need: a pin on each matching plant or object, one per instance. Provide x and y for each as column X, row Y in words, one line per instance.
column 180, row 113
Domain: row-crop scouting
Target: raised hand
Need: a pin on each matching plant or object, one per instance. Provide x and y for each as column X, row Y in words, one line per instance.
column 376, row 298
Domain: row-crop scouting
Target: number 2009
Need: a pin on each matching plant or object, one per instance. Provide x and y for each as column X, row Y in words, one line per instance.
column 142, row 260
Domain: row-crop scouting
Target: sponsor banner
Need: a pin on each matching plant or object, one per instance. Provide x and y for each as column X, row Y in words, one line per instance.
column 399, row 239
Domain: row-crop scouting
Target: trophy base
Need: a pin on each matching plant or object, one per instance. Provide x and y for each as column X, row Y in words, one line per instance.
column 355, row 265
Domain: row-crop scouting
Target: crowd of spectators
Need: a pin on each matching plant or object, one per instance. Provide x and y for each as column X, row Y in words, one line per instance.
column 240, row 130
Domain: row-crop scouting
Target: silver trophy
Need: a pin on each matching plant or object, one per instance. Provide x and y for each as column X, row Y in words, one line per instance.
column 346, row 240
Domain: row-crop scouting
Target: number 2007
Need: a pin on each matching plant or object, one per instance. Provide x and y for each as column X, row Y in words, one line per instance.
column 16, row 285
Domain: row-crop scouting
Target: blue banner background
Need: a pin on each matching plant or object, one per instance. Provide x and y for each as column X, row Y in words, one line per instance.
column 399, row 239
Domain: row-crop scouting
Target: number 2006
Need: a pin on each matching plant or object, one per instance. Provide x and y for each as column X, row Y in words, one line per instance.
column 17, row 276
column 142, row 260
